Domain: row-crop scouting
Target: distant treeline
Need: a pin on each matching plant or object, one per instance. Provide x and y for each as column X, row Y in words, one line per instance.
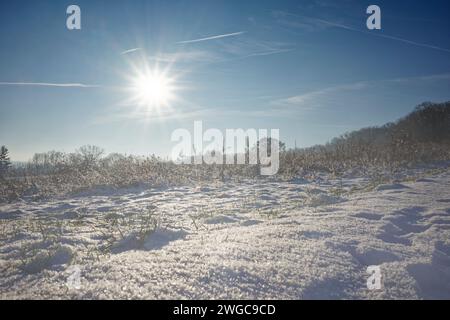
column 422, row 136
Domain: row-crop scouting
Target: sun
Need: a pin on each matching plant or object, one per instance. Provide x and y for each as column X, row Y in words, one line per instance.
column 153, row 89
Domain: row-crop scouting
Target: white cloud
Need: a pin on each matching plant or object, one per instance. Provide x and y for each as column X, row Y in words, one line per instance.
column 310, row 99
column 241, row 49
column 312, row 95
column 48, row 84
column 130, row 51
column 186, row 56
column 306, row 24
column 220, row 36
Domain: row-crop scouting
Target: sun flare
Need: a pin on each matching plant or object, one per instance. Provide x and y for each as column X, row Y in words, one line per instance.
column 153, row 89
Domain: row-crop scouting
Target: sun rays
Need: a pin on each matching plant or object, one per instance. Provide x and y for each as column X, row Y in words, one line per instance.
column 152, row 89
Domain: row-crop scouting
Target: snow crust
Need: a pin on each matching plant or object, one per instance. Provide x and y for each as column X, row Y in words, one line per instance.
column 247, row 240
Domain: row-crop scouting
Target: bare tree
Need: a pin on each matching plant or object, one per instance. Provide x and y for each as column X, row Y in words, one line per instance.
column 90, row 155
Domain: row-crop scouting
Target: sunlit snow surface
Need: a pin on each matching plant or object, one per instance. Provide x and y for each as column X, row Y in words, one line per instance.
column 259, row 240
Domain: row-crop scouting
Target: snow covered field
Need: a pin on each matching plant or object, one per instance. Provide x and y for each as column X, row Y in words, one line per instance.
column 254, row 239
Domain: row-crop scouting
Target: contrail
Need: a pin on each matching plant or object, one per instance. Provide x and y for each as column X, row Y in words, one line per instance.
column 47, row 84
column 419, row 44
column 268, row 53
column 383, row 36
column 213, row 37
column 130, row 51
column 411, row 42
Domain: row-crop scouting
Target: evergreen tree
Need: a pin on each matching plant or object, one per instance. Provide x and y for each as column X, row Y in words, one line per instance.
column 5, row 162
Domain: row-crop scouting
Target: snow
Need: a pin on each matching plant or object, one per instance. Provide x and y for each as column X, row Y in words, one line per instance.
column 300, row 239
column 395, row 186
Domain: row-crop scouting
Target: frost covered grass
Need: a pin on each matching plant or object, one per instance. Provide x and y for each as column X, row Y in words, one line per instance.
column 147, row 228
column 302, row 238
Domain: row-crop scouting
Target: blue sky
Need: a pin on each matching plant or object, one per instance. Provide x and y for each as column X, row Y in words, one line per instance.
column 310, row 68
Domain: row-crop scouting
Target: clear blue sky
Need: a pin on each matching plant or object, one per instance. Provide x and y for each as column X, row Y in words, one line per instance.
column 309, row 68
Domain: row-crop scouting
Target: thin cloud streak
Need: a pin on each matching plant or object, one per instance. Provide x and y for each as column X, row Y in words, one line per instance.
column 47, row 84
column 309, row 96
column 338, row 25
column 186, row 56
column 213, row 37
column 258, row 54
column 130, row 51
column 267, row 53
column 411, row 42
column 303, row 98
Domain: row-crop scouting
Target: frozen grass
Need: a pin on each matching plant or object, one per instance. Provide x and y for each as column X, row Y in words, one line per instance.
column 252, row 239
